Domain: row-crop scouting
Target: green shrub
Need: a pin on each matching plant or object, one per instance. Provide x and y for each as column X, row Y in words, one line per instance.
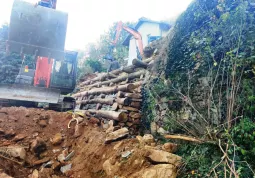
column 95, row 65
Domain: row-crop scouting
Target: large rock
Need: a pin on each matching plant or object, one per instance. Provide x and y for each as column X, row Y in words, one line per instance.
column 169, row 147
column 38, row 146
column 46, row 172
column 148, row 139
column 61, row 158
column 112, row 129
column 57, row 139
column 116, row 135
column 19, row 137
column 3, row 175
column 17, row 152
column 94, row 120
column 55, row 165
column 77, row 131
column 66, row 168
column 140, row 139
column 43, row 123
column 45, row 117
column 35, row 174
column 159, row 156
column 111, row 167
column 160, row 171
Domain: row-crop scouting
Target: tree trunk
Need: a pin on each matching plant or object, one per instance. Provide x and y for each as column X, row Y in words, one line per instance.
column 128, row 69
column 102, row 95
column 126, row 88
column 90, row 97
column 135, row 115
column 129, row 124
column 120, row 94
column 99, row 78
column 139, row 63
column 106, row 90
column 136, row 121
column 133, row 95
column 99, row 106
column 119, row 79
column 135, row 104
column 138, row 84
column 128, row 108
column 136, row 100
column 123, row 101
column 115, row 106
column 113, row 115
column 108, row 101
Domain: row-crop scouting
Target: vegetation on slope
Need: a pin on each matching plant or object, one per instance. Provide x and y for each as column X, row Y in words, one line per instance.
column 207, row 79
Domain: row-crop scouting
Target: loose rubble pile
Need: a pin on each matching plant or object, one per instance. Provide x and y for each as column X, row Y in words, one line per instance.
column 115, row 96
column 31, row 141
column 36, row 143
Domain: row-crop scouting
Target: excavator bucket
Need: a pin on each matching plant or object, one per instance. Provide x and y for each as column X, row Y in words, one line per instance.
column 37, row 30
column 29, row 93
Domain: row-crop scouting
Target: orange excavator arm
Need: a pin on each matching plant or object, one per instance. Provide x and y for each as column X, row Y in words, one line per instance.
column 133, row 32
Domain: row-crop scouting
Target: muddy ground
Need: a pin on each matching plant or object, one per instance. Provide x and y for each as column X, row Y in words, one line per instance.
column 47, row 141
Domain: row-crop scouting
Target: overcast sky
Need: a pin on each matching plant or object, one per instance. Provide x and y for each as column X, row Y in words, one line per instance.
column 90, row 18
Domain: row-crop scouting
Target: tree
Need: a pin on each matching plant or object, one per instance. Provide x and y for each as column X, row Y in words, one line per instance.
column 91, row 60
column 120, row 52
column 95, row 65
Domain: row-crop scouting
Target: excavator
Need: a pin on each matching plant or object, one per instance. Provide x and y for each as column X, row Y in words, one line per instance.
column 133, row 32
column 39, row 30
column 120, row 26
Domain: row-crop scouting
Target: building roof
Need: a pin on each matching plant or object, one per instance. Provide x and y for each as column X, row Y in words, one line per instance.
column 163, row 26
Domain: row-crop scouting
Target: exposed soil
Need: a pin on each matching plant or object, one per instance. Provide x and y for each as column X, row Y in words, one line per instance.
column 20, row 126
column 22, row 121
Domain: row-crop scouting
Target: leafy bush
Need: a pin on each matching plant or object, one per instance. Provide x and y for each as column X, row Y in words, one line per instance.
column 95, row 65
column 243, row 136
column 198, row 160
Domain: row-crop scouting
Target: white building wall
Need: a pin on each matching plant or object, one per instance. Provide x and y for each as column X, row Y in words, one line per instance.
column 132, row 50
column 151, row 29
column 145, row 29
column 164, row 33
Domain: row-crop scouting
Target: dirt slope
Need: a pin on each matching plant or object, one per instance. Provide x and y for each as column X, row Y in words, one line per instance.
column 46, row 139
